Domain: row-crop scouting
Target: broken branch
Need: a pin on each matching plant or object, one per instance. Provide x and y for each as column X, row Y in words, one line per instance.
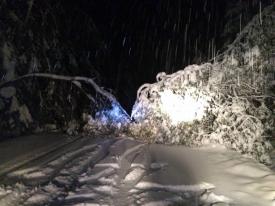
column 74, row 80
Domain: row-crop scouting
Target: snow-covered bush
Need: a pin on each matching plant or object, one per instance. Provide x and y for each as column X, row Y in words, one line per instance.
column 195, row 114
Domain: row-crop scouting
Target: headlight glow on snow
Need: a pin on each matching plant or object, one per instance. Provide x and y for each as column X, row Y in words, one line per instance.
column 114, row 114
column 188, row 108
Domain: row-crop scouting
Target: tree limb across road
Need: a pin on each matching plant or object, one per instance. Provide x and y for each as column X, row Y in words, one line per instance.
column 75, row 80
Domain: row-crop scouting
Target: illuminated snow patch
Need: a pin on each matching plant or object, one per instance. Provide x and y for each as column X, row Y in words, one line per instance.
column 113, row 115
column 185, row 108
column 138, row 112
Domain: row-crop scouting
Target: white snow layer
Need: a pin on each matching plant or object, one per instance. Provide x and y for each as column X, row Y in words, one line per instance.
column 239, row 178
column 227, row 176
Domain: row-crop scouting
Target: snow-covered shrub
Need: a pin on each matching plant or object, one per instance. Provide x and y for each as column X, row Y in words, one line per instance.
column 227, row 102
column 196, row 113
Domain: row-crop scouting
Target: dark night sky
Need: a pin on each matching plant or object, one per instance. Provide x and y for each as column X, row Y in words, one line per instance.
column 144, row 37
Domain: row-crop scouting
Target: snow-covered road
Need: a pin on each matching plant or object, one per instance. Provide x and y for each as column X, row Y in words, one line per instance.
column 119, row 171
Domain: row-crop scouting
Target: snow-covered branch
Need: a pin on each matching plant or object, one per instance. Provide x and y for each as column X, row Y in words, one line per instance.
column 75, row 80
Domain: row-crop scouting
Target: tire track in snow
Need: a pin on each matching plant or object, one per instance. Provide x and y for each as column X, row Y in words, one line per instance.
column 39, row 189
column 113, row 172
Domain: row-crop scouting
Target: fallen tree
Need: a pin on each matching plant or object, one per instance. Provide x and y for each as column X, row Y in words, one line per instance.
column 110, row 102
column 75, row 80
column 230, row 101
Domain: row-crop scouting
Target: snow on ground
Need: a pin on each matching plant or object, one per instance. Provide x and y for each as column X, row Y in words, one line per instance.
column 240, row 179
column 125, row 172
